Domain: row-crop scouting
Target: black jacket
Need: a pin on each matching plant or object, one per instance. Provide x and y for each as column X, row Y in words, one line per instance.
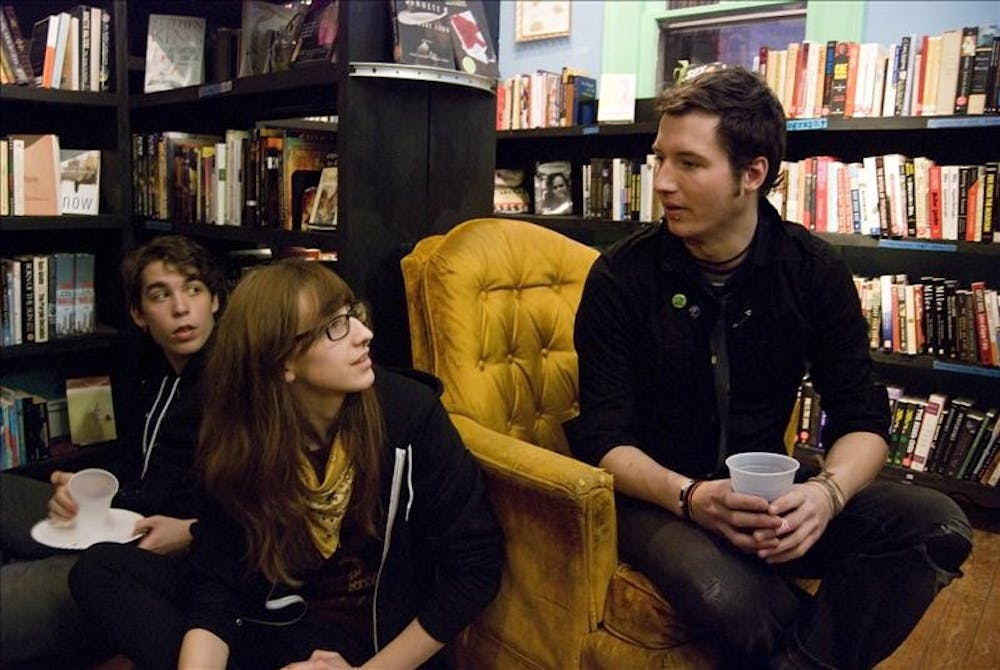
column 650, row 326
column 443, row 548
column 155, row 467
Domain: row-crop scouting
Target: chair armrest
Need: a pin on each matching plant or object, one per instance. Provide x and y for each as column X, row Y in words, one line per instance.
column 558, row 516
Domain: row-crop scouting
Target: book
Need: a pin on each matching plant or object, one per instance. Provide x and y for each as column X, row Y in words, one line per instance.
column 84, row 318
column 175, row 52
column 42, row 52
column 91, row 410
column 475, row 49
column 421, row 33
column 553, row 193
column 21, row 44
column 509, row 194
column 20, row 68
column 79, row 181
column 304, row 155
column 318, row 35
column 933, row 410
column 65, row 294
column 951, row 49
column 41, row 174
column 265, row 36
column 979, row 445
column 323, row 214
column 616, row 98
column 979, row 81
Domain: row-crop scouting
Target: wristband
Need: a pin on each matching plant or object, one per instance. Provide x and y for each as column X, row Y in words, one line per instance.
column 687, row 488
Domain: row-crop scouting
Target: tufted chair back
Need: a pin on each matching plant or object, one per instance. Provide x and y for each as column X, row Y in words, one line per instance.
column 499, row 299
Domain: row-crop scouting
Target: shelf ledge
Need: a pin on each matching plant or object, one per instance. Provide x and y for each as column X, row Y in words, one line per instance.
column 423, row 73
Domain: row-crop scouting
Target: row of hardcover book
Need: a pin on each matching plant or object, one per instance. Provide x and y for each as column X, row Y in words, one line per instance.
column 39, row 178
column 955, row 72
column 891, row 195
column 24, row 427
column 933, row 317
column 69, row 50
column 267, row 177
column 545, row 99
column 46, row 297
column 951, row 437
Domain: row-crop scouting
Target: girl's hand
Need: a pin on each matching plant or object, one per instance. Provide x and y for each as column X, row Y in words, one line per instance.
column 321, row 660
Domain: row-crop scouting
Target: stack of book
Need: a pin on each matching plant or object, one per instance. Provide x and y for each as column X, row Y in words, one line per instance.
column 46, row 297
column 922, row 75
column 891, row 195
column 933, row 317
column 545, row 99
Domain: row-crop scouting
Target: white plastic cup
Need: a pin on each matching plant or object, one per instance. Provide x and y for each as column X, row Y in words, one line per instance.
column 762, row 473
column 93, row 490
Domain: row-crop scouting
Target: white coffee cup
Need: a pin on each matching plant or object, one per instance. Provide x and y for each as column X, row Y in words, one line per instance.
column 93, row 490
column 762, row 473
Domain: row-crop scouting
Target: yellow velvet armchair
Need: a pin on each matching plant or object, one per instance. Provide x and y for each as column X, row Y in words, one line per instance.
column 491, row 311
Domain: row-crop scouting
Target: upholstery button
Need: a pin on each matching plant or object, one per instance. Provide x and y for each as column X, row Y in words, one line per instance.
column 482, row 365
column 545, row 353
column 556, row 288
column 576, row 407
column 510, row 358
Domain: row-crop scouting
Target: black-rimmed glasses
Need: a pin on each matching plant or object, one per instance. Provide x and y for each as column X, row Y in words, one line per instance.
column 339, row 326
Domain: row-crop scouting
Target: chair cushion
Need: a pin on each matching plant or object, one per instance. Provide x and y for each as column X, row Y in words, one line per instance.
column 637, row 613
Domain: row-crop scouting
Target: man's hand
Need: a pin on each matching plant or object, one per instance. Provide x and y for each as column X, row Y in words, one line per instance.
column 62, row 506
column 321, row 660
column 742, row 519
column 164, row 534
column 805, row 511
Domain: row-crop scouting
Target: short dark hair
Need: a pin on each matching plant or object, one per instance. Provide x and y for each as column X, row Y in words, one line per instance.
column 751, row 119
column 178, row 251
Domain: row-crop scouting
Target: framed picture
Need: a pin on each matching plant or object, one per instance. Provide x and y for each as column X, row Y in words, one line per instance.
column 541, row 19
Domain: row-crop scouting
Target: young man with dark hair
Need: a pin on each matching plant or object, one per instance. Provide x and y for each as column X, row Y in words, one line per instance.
column 173, row 291
column 693, row 337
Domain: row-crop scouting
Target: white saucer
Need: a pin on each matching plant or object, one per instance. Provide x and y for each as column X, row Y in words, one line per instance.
column 121, row 523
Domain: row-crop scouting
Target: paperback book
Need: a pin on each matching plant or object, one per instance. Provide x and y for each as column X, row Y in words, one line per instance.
column 323, row 215
column 80, row 181
column 91, row 410
column 553, row 194
column 175, row 52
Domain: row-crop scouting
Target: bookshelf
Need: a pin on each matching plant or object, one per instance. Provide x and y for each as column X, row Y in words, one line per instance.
column 415, row 147
column 84, row 120
column 947, row 140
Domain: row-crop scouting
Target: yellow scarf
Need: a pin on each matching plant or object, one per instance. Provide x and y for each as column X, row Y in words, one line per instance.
column 328, row 500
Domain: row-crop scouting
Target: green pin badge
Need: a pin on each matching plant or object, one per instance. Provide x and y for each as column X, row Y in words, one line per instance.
column 679, row 300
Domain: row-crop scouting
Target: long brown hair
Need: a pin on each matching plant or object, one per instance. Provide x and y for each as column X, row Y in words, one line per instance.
column 253, row 431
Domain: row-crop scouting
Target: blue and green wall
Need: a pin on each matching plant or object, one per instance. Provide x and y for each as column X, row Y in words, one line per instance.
column 621, row 36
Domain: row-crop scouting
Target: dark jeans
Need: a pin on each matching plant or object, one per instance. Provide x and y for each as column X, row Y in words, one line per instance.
column 38, row 617
column 139, row 599
column 881, row 562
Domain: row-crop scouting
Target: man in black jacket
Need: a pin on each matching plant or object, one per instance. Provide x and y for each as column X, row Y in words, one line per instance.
column 173, row 291
column 693, row 337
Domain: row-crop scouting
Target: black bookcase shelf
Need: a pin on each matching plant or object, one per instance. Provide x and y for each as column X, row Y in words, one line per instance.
column 51, row 96
column 247, row 236
column 22, row 355
column 59, row 223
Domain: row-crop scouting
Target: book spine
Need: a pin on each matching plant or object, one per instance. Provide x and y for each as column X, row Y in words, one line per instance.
column 970, row 35
column 20, row 43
